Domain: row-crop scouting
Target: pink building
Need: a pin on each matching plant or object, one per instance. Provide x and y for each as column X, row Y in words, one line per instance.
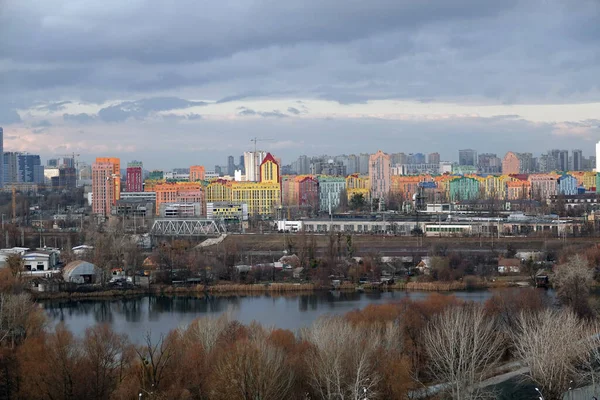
column 543, row 186
column 380, row 174
column 511, row 164
column 134, row 179
column 103, row 188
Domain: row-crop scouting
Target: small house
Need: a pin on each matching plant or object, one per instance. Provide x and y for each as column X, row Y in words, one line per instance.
column 40, row 260
column 81, row 272
column 82, row 250
column 509, row 266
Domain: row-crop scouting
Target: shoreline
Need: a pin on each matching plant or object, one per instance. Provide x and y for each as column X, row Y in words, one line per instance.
column 281, row 289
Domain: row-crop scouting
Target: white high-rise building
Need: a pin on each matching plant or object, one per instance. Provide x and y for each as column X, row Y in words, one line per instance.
column 598, row 157
column 252, row 161
column 1, row 157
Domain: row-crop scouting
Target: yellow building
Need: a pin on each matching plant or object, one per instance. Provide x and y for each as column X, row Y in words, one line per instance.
column 356, row 184
column 218, row 191
column 262, row 198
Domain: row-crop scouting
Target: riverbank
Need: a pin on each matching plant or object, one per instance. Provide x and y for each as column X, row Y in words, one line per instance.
column 272, row 289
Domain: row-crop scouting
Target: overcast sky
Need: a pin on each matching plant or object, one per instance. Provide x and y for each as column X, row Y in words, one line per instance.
column 175, row 83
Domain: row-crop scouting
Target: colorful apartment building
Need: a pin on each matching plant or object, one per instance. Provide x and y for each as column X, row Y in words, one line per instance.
column 358, row 185
column 197, row 173
column 300, row 191
column 330, row 192
column 380, row 174
column 116, row 174
column 464, row 188
column 543, row 186
column 103, row 188
column 518, row 189
column 179, row 192
column 511, row 164
column 262, row 197
column 218, row 191
column 567, row 185
column 406, row 186
column 134, row 182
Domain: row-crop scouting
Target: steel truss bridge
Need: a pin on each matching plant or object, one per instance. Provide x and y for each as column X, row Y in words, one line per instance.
column 187, row 227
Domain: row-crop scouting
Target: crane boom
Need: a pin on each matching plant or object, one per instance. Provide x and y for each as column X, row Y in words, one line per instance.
column 255, row 140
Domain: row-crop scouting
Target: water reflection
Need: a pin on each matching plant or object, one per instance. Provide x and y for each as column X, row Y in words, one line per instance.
column 160, row 314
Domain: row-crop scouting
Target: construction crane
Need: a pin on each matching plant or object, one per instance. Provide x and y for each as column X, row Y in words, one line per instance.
column 255, row 140
column 72, row 156
column 14, row 204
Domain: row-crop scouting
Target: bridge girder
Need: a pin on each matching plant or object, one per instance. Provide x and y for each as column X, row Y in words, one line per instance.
column 187, row 227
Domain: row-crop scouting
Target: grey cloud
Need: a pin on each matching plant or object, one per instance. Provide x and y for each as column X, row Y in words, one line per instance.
column 144, row 107
column 42, row 124
column 244, row 111
column 9, row 116
column 186, row 117
column 80, row 118
column 293, row 110
column 348, row 51
column 191, row 31
column 54, row 106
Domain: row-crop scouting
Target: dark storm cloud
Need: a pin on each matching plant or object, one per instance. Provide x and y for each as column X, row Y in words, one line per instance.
column 189, row 30
column 511, row 51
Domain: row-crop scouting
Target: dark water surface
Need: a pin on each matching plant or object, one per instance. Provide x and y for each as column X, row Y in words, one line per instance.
column 160, row 314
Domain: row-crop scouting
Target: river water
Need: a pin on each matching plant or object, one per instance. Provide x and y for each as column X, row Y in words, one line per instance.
column 160, row 314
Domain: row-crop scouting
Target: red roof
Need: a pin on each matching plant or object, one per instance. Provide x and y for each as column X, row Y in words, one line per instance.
column 268, row 157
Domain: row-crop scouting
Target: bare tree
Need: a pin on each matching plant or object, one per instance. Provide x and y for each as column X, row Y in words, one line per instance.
column 207, row 330
column 342, row 364
column 15, row 264
column 550, row 343
column 463, row 346
column 107, row 357
column 156, row 359
column 16, row 311
column 573, row 281
column 253, row 369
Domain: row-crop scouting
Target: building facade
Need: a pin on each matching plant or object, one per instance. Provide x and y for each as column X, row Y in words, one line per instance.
column 330, row 191
column 103, row 188
column 511, row 164
column 135, row 181
column 197, row 173
column 116, row 174
column 380, row 174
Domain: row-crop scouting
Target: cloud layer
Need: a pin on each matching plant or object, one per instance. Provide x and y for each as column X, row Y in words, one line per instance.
column 73, row 67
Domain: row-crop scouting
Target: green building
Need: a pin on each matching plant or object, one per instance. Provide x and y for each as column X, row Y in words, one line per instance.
column 464, row 188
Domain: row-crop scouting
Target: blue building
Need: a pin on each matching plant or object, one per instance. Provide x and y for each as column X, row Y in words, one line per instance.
column 567, row 185
column 330, row 191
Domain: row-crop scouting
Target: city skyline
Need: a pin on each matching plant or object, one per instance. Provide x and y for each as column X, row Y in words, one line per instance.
column 168, row 83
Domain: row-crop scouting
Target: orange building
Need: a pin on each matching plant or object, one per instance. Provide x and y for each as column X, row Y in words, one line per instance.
column 116, row 177
column 103, row 189
column 179, row 192
column 518, row 189
column 407, row 185
column 197, row 173
column 511, row 164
